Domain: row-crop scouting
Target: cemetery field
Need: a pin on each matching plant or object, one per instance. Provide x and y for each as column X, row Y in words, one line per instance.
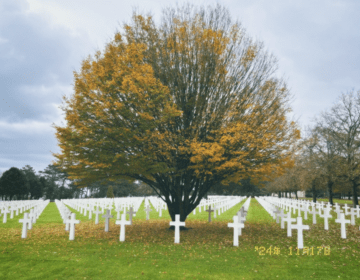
column 205, row 251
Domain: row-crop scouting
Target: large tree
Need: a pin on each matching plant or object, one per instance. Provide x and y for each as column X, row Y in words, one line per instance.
column 34, row 187
column 328, row 158
column 342, row 126
column 181, row 106
column 13, row 183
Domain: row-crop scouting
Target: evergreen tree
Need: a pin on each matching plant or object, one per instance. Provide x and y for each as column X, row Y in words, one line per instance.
column 110, row 192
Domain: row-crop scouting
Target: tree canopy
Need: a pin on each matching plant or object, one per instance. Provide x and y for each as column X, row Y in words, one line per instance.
column 13, row 182
column 181, row 106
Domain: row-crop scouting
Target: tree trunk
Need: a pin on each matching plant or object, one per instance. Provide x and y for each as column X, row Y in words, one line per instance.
column 279, row 194
column 330, row 185
column 313, row 191
column 296, row 195
column 355, row 198
column 349, row 193
column 178, row 206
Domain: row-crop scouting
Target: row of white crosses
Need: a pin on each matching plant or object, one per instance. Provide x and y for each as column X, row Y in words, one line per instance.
column 304, row 206
column 15, row 207
column 219, row 204
column 107, row 217
column 214, row 204
column 88, row 207
column 326, row 209
column 340, row 215
column 239, row 221
column 158, row 204
column 123, row 222
column 69, row 218
column 237, row 225
column 147, row 208
column 30, row 218
column 279, row 213
column 225, row 204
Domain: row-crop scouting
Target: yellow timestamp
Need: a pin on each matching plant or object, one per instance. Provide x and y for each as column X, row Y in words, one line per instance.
column 308, row 251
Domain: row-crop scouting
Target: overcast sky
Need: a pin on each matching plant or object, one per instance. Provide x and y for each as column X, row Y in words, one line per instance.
column 317, row 44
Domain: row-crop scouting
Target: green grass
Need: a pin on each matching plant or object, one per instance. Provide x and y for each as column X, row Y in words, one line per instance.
column 205, row 251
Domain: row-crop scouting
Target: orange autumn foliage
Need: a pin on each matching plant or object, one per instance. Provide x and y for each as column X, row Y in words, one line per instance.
column 180, row 107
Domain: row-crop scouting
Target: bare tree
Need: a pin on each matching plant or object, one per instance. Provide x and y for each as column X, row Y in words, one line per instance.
column 328, row 158
column 312, row 175
column 342, row 126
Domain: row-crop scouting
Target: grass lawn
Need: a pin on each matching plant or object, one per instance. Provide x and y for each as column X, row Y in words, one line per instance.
column 205, row 251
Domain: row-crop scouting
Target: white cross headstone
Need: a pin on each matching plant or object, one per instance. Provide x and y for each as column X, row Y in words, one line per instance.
column 160, row 211
column 131, row 213
column 24, row 221
column 177, row 225
column 352, row 213
column 107, row 217
column 326, row 216
column 118, row 210
column 358, row 211
column 214, row 211
column 241, row 215
column 236, row 227
column 346, row 207
column 320, row 212
column 97, row 212
column 241, row 211
column 209, row 210
column 32, row 218
column 90, row 208
column 67, row 224
column 5, row 211
column 289, row 220
column 277, row 212
column 306, row 210
column 12, row 208
column 299, row 210
column 338, row 212
column 123, row 222
column 300, row 227
column 72, row 223
column 343, row 223
column 282, row 216
column 241, row 221
column 313, row 212
column 33, row 215
column 147, row 210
